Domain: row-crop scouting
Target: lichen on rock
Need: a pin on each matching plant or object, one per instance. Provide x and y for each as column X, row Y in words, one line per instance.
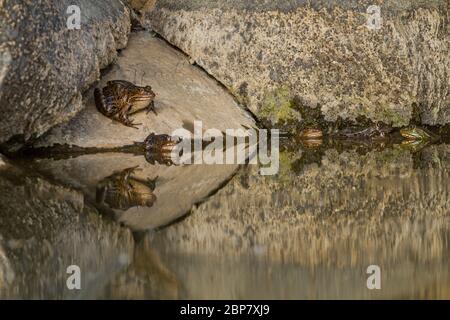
column 277, row 108
column 323, row 51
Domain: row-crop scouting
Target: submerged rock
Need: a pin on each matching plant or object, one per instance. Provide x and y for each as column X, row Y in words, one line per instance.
column 184, row 94
column 322, row 51
column 45, row 67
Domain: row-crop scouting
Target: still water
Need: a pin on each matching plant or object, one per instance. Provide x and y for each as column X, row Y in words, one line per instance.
column 208, row 232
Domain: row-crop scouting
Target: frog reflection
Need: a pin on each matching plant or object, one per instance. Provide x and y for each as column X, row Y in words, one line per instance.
column 123, row 191
column 416, row 139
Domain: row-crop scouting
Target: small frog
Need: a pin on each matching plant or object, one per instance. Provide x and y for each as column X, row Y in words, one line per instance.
column 158, row 148
column 120, row 99
column 416, row 133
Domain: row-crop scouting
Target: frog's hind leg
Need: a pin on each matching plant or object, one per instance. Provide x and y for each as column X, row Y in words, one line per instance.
column 123, row 117
column 100, row 103
column 106, row 105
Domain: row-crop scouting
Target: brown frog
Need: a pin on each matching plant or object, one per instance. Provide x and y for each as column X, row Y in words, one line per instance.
column 120, row 99
column 158, row 148
column 123, row 191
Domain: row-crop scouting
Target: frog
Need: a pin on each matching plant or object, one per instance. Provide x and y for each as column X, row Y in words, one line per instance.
column 417, row 133
column 310, row 138
column 158, row 148
column 120, row 99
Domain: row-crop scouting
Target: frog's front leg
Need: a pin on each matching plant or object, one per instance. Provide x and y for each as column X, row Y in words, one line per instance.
column 147, row 109
column 151, row 108
column 124, row 117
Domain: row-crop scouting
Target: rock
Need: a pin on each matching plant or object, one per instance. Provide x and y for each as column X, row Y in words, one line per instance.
column 45, row 228
column 142, row 4
column 322, row 52
column 312, row 234
column 3, row 161
column 147, row 277
column 183, row 94
column 45, row 67
column 178, row 188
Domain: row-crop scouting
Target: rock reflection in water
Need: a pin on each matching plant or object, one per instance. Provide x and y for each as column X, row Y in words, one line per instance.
column 147, row 277
column 46, row 227
column 312, row 233
column 135, row 198
column 309, row 232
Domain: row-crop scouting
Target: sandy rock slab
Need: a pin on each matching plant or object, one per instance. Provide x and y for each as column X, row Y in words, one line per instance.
column 176, row 189
column 45, row 228
column 184, row 94
column 45, row 66
column 320, row 53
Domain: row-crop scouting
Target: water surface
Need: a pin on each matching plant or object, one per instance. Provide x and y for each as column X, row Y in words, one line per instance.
column 309, row 232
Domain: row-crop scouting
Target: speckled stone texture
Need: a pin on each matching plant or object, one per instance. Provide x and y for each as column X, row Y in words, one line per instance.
column 44, row 66
column 322, row 51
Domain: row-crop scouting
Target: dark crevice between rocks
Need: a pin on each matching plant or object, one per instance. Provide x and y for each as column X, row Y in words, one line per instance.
column 13, row 145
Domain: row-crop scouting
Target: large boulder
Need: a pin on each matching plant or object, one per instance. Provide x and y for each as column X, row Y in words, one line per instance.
column 184, row 94
column 275, row 55
column 44, row 66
